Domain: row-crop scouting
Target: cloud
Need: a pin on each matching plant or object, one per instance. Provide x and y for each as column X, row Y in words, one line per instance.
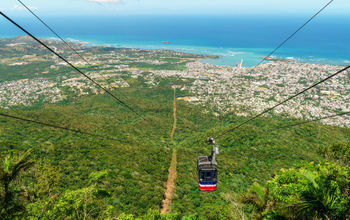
column 21, row 8
column 106, row 1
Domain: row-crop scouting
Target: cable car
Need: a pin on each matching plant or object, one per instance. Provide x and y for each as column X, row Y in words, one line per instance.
column 206, row 169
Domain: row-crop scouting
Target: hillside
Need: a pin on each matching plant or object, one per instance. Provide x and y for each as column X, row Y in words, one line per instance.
column 76, row 176
column 252, row 154
column 137, row 164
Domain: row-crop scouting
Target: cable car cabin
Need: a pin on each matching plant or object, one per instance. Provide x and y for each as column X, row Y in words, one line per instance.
column 206, row 170
column 207, row 174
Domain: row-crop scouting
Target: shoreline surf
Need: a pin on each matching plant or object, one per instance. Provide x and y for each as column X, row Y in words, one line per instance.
column 226, row 56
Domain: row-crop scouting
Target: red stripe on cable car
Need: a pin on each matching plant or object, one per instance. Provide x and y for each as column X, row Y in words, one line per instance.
column 206, row 188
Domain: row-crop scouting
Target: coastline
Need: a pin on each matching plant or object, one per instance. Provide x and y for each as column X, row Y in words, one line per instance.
column 223, row 56
column 231, row 56
column 244, row 91
column 226, row 56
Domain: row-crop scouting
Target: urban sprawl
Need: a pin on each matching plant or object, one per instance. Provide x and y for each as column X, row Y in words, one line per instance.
column 242, row 91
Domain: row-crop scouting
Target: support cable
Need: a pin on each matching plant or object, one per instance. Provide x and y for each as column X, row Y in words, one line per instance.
column 77, row 69
column 57, row 127
column 301, row 123
column 286, row 100
column 64, row 41
column 313, row 120
column 292, row 35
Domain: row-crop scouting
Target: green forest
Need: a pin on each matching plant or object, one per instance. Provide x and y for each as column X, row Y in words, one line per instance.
column 300, row 172
column 295, row 173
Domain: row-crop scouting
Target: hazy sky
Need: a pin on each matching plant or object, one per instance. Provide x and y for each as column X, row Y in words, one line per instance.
column 233, row 7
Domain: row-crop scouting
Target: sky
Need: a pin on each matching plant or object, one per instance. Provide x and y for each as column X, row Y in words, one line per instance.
column 174, row 7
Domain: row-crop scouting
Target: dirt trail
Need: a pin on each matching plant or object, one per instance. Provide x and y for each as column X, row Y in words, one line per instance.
column 174, row 114
column 170, row 185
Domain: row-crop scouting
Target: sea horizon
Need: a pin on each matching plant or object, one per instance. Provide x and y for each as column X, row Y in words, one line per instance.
column 232, row 38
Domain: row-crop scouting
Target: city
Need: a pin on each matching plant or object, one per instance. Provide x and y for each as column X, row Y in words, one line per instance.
column 235, row 90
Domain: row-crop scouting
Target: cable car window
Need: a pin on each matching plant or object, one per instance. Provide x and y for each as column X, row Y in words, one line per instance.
column 202, row 175
column 214, row 174
column 208, row 175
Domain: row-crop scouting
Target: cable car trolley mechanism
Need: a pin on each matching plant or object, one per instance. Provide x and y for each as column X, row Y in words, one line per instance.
column 206, row 169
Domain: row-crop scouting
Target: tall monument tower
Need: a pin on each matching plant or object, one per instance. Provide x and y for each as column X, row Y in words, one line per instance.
column 239, row 65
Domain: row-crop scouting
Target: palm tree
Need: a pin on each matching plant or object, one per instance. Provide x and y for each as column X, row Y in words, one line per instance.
column 318, row 202
column 257, row 197
column 10, row 169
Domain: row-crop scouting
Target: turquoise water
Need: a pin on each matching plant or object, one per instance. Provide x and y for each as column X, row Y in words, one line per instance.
column 233, row 38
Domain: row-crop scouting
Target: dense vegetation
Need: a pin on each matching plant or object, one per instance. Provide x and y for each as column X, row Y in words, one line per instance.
column 252, row 155
column 112, row 173
column 295, row 173
column 74, row 175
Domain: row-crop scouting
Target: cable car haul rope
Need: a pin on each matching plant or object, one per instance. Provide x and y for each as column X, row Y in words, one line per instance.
column 206, row 165
column 55, row 126
column 74, row 67
column 65, row 42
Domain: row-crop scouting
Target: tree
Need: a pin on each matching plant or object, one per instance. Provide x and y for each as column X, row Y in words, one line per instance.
column 319, row 191
column 315, row 191
column 45, row 191
column 12, row 166
column 316, row 202
column 257, row 197
column 339, row 153
column 77, row 204
column 215, row 212
column 48, row 179
column 84, row 203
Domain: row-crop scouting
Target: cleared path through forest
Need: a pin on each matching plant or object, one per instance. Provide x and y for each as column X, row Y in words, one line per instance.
column 170, row 184
column 174, row 114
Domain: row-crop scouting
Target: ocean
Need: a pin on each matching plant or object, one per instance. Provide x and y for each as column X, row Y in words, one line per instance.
column 233, row 38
